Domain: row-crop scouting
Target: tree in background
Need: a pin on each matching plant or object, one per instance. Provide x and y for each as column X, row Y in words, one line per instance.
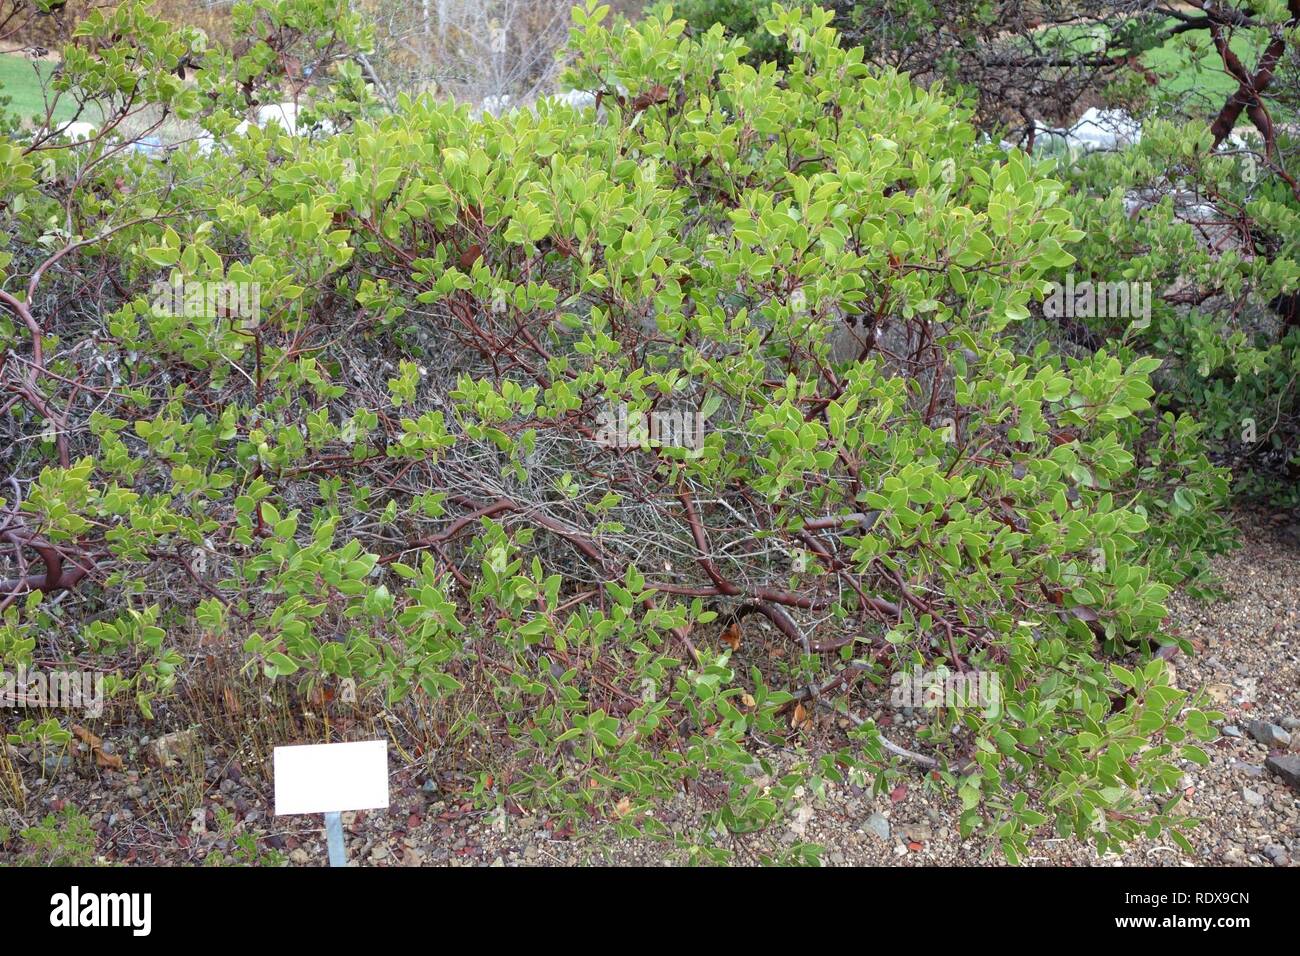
column 1027, row 65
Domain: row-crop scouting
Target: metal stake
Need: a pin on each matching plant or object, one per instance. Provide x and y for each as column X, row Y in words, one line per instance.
column 334, row 838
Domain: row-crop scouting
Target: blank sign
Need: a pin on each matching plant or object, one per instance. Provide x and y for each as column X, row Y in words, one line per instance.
column 327, row 778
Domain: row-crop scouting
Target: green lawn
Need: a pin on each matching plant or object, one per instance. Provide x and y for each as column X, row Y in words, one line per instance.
column 19, row 80
column 1193, row 71
column 1196, row 66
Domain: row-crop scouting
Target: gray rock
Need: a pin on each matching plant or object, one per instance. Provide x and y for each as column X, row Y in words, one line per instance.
column 1277, row 853
column 1249, row 769
column 1291, row 723
column 920, row 832
column 172, row 750
column 1252, row 797
column 1270, row 735
column 877, row 824
column 56, row 764
column 1286, row 766
column 1231, row 731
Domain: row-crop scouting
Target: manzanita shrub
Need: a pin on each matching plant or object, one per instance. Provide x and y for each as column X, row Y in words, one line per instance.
column 1203, row 210
column 548, row 411
column 1215, row 237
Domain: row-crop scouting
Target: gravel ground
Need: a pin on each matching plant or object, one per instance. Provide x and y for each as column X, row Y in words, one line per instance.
column 1249, row 662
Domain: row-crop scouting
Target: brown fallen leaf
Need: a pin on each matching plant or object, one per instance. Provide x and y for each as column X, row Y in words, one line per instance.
column 623, row 807
column 731, row 635
column 86, row 737
column 801, row 718
column 411, row 856
column 105, row 761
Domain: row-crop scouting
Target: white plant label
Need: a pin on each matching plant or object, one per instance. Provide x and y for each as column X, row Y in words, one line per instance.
column 329, row 778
